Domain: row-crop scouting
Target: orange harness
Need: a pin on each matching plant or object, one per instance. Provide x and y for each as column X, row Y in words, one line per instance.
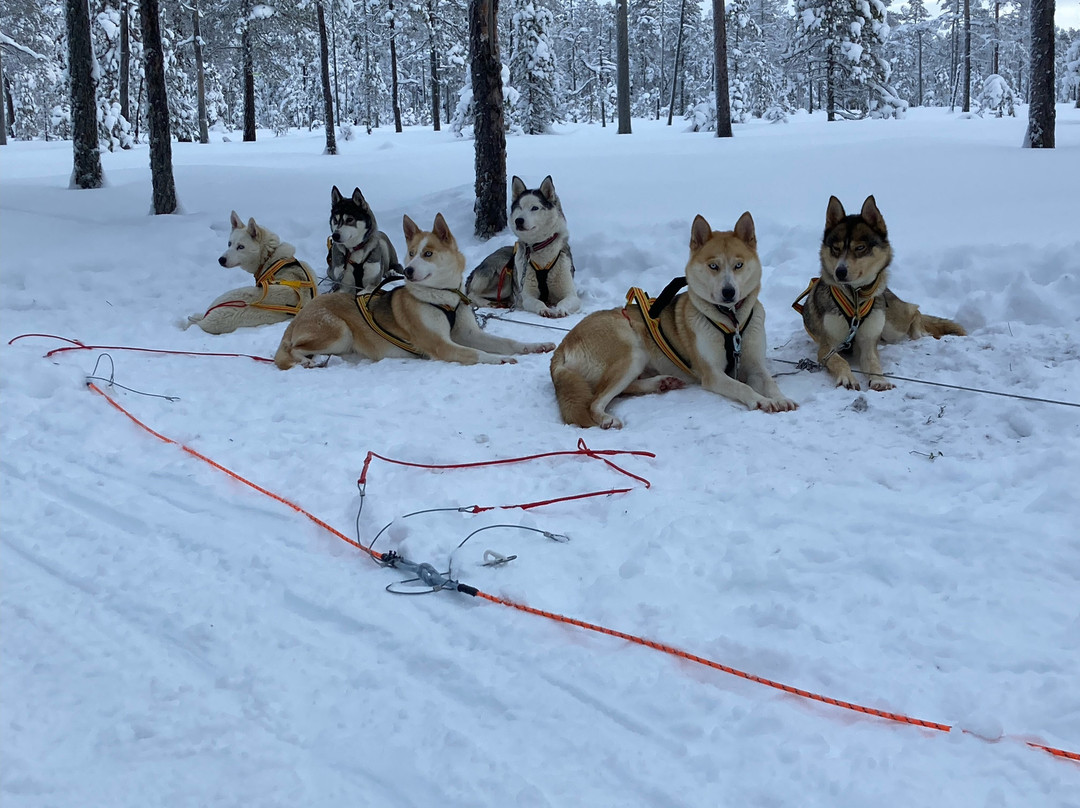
column 269, row 276
column 855, row 307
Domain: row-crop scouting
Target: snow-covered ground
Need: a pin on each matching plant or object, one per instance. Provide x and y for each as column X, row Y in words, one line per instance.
column 170, row 637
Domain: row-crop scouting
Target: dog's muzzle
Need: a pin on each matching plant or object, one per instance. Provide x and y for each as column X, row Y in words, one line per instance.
column 728, row 293
column 221, row 260
column 841, row 272
column 336, row 236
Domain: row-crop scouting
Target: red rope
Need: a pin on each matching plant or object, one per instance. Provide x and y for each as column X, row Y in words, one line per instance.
column 667, row 649
column 582, row 451
column 79, row 346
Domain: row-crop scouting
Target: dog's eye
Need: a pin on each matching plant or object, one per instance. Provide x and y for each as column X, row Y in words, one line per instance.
column 738, row 265
column 535, row 207
column 412, row 253
column 714, row 267
column 428, row 253
column 860, row 249
column 239, row 246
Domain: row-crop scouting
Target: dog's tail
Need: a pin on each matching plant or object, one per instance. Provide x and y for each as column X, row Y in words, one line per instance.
column 938, row 327
column 574, row 394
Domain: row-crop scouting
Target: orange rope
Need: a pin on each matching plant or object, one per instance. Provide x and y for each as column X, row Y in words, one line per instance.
column 633, row 638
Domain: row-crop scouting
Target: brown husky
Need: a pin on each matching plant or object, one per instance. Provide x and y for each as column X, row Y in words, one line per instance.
column 852, row 307
column 713, row 334
column 427, row 317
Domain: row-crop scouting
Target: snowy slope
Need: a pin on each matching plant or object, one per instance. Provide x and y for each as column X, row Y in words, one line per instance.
column 170, row 637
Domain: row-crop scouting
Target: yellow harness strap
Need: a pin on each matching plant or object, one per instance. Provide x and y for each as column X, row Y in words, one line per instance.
column 363, row 302
column 855, row 309
column 264, row 279
column 636, row 297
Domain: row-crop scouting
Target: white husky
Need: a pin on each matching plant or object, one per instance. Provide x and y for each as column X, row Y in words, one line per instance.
column 537, row 273
column 283, row 284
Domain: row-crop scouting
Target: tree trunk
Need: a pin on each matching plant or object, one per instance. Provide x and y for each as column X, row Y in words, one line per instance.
column 830, row 83
column 489, row 124
column 435, row 99
column 161, row 170
column 3, row 103
column 622, row 67
column 723, row 103
column 997, row 35
column 125, row 63
column 967, row 56
column 678, row 56
column 920, row 70
column 87, row 172
column 200, row 74
column 337, row 88
column 1041, row 114
column 248, row 57
column 954, row 51
column 394, row 100
column 327, row 95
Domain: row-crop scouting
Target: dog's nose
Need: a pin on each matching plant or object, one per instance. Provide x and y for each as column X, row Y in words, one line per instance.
column 519, row 223
column 841, row 272
column 409, row 272
column 221, row 260
column 728, row 293
column 336, row 236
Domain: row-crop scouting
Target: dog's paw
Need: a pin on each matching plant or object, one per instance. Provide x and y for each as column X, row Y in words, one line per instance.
column 847, row 379
column 779, row 405
column 609, row 422
column 670, row 383
column 498, row 359
column 540, row 347
column 553, row 313
column 880, row 383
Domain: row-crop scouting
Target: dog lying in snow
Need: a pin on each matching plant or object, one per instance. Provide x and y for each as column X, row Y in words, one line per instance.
column 283, row 283
column 428, row 316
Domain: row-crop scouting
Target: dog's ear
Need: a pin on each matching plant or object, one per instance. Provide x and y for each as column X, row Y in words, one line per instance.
column 358, row 198
column 335, row 195
column 873, row 216
column 547, row 188
column 235, row 220
column 442, row 230
column 517, row 188
column 252, row 228
column 700, row 232
column 744, row 230
column 409, row 226
column 834, row 214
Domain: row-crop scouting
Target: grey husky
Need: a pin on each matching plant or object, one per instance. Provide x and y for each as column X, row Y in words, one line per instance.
column 359, row 256
column 537, row 273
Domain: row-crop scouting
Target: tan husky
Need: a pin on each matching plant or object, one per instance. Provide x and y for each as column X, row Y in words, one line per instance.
column 713, row 334
column 851, row 307
column 427, row 317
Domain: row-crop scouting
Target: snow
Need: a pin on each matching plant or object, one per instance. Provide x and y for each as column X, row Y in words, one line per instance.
column 173, row 638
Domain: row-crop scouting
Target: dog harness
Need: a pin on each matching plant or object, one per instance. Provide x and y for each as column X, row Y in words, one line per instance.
column 651, row 308
column 337, row 282
column 268, row 277
column 506, row 274
column 855, row 307
column 363, row 304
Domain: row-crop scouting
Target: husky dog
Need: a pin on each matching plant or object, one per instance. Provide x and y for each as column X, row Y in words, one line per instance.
column 283, row 283
column 429, row 316
column 537, row 273
column 713, row 334
column 358, row 255
column 851, row 307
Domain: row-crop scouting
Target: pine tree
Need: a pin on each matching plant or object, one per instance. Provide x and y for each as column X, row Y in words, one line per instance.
column 532, row 67
column 161, row 171
column 489, row 133
column 87, row 172
column 1041, row 113
column 328, row 96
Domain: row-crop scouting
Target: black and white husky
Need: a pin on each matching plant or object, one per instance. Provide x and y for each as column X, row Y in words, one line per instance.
column 537, row 273
column 359, row 255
